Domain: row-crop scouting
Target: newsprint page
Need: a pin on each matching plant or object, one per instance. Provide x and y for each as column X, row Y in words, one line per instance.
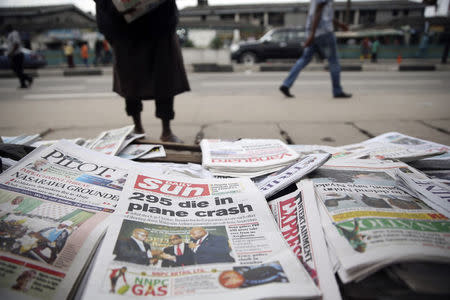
column 196, row 238
column 54, row 207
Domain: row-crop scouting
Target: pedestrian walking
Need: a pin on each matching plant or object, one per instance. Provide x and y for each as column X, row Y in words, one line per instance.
column 321, row 38
column 16, row 57
column 84, row 51
column 148, row 64
column 68, row 52
column 375, row 48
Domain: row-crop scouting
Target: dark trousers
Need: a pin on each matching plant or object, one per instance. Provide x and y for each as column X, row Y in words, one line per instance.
column 17, row 66
column 164, row 107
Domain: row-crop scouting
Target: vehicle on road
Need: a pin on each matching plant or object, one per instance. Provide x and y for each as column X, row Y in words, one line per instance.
column 278, row 43
column 32, row 59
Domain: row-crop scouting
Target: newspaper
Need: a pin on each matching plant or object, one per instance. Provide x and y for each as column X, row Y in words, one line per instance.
column 6, row 163
column 133, row 9
column 110, row 142
column 246, row 157
column 55, row 205
column 26, row 140
column 196, row 239
column 277, row 181
column 414, row 144
column 78, row 141
column 298, row 218
column 129, row 139
column 142, row 151
column 370, row 223
column 430, row 191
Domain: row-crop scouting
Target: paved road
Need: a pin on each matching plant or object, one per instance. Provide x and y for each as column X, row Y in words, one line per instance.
column 233, row 105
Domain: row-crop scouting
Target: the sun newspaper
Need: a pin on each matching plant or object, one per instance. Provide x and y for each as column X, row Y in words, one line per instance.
column 197, row 239
column 430, row 191
column 279, row 180
column 133, row 9
column 55, row 204
column 246, row 157
column 370, row 223
column 298, row 218
column 110, row 142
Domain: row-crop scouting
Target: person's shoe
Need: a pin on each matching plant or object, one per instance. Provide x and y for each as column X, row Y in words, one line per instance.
column 23, row 87
column 30, row 81
column 172, row 138
column 343, row 95
column 285, row 90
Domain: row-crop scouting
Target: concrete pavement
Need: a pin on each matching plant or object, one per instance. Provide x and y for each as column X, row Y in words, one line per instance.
column 243, row 104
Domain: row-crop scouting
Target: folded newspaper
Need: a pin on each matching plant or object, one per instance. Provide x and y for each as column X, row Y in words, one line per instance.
column 191, row 238
column 279, row 180
column 370, row 223
column 133, row 9
column 246, row 157
column 112, row 141
column 431, row 191
column 299, row 221
column 55, row 205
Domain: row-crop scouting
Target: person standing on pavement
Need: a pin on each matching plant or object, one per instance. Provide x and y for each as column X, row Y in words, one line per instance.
column 16, row 57
column 148, row 64
column 375, row 48
column 98, row 49
column 319, row 28
column 68, row 52
column 85, row 54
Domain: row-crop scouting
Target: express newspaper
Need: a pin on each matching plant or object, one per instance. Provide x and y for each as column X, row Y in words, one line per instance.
column 195, row 239
column 55, row 205
column 298, row 219
column 370, row 223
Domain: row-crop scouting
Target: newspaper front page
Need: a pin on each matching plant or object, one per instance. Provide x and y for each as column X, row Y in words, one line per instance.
column 197, row 239
column 110, row 142
column 133, row 9
column 246, row 157
column 299, row 221
column 370, row 223
column 54, row 206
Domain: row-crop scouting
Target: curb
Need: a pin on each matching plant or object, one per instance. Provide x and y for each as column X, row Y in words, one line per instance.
column 417, row 68
column 202, row 68
column 82, row 72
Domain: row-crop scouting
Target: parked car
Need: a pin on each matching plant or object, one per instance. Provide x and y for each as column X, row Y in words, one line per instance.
column 277, row 43
column 32, row 59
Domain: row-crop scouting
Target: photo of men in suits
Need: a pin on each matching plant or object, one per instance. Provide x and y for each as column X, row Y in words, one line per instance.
column 177, row 255
column 209, row 248
column 136, row 250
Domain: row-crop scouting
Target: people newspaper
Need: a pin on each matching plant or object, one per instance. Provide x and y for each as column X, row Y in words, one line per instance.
column 110, row 142
column 298, row 218
column 133, row 9
column 195, row 238
column 370, row 223
column 55, row 205
column 246, row 157
column 277, row 181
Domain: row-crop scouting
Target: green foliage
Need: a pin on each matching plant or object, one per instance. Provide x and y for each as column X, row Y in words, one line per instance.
column 216, row 43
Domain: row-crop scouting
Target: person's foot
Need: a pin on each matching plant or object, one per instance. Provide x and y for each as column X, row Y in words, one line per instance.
column 343, row 95
column 285, row 90
column 30, row 81
column 23, row 87
column 172, row 138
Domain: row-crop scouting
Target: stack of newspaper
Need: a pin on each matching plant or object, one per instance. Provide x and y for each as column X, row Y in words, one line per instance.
column 370, row 223
column 246, row 157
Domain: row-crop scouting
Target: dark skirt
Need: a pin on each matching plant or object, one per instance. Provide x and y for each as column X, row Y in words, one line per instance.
column 149, row 68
